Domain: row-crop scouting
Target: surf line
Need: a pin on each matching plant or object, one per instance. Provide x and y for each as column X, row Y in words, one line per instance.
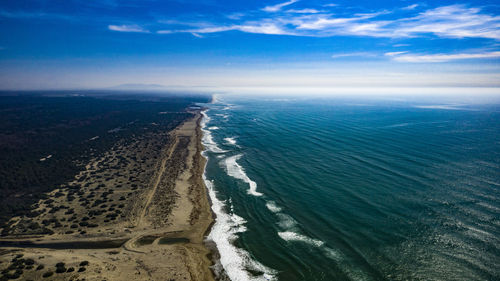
column 236, row 262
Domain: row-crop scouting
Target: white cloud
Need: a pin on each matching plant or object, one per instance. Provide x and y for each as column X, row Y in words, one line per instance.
column 392, row 54
column 454, row 21
column 260, row 28
column 411, row 7
column 355, row 54
column 263, row 28
column 404, row 57
column 127, row 28
column 235, row 16
column 277, row 7
column 304, row 11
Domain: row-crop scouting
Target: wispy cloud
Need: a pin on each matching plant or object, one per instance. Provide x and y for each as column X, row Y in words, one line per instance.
column 405, row 57
column 250, row 27
column 454, row 21
column 277, row 7
column 304, row 11
column 354, row 54
column 392, row 54
column 411, row 7
column 128, row 28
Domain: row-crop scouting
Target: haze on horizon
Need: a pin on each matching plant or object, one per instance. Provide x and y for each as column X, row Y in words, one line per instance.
column 221, row 44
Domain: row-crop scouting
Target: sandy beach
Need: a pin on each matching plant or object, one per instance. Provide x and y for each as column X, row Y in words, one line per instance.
column 158, row 235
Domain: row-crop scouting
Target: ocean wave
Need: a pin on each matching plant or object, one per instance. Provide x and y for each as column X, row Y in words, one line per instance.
column 353, row 273
column 289, row 226
column 273, row 207
column 207, row 139
column 231, row 141
column 293, row 236
column 286, row 222
column 224, row 116
column 398, row 125
column 236, row 171
column 213, row 128
column 334, row 255
column 235, row 261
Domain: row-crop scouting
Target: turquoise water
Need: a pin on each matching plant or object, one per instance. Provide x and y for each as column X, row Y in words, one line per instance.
column 329, row 189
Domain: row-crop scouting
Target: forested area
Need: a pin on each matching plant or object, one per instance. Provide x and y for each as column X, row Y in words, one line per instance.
column 45, row 138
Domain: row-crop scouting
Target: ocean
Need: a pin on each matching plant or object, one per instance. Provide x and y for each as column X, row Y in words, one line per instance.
column 339, row 189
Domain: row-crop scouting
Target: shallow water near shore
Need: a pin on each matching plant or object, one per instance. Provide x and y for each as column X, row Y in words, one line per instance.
column 328, row 189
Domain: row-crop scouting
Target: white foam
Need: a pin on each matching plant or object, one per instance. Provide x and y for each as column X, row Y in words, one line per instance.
column 290, row 230
column 213, row 128
column 236, row 171
column 225, row 116
column 231, row 141
column 286, row 222
column 334, row 255
column 353, row 273
column 235, row 261
column 271, row 205
column 293, row 236
column 207, row 139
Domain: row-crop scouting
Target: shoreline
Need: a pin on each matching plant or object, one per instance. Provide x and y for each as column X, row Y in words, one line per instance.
column 216, row 266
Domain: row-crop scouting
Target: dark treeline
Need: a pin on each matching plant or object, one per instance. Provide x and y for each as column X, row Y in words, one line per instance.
column 71, row 128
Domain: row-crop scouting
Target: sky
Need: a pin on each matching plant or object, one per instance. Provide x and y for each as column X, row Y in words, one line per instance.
column 87, row 44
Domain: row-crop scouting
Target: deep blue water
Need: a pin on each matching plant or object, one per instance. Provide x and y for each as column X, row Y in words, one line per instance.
column 328, row 189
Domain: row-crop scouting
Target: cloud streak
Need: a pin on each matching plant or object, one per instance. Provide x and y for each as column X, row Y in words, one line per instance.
column 128, row 28
column 426, row 58
column 277, row 7
column 454, row 21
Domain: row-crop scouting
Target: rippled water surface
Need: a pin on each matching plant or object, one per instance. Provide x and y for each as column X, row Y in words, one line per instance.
column 335, row 190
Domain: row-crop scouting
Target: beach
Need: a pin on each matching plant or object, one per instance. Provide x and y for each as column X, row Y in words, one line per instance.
column 158, row 234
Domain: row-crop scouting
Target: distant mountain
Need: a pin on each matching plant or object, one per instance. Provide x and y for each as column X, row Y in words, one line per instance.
column 138, row 86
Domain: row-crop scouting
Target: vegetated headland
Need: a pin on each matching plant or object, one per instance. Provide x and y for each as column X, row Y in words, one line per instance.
column 102, row 187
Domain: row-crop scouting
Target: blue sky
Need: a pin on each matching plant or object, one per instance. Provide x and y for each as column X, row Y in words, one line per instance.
column 97, row 44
